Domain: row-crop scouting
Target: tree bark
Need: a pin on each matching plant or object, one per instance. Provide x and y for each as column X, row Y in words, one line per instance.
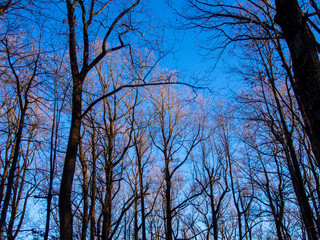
column 12, row 170
column 141, row 185
column 78, row 77
column 52, row 160
column 65, row 204
column 306, row 66
column 168, row 202
column 295, row 172
column 85, row 192
column 107, row 208
column 92, row 212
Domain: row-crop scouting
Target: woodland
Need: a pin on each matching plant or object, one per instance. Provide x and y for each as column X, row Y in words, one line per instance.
column 100, row 140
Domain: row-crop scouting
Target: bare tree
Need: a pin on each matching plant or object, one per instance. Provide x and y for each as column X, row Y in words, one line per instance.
column 237, row 22
column 141, row 159
column 172, row 137
column 278, row 113
column 23, row 82
column 212, row 176
column 88, row 12
column 7, row 5
column 254, row 25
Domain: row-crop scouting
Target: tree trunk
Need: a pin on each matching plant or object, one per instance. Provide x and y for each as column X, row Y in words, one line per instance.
column 143, row 214
column 306, row 66
column 53, row 146
column 136, row 226
column 85, row 193
column 214, row 211
column 93, row 185
column 295, row 172
column 107, row 208
column 168, row 203
column 65, row 204
column 12, row 170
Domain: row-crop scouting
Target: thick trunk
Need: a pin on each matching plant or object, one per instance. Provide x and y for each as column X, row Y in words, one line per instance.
column 107, row 208
column 78, row 77
column 215, row 226
column 214, row 211
column 65, row 204
column 278, row 227
column 107, row 211
column 306, row 66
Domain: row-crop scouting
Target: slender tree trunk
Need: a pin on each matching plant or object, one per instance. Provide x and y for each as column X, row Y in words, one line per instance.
column 136, row 226
column 236, row 203
column 297, row 181
column 85, row 193
column 6, row 168
column 14, row 210
column 295, row 172
column 93, row 185
column 168, row 202
column 12, row 170
column 143, row 214
column 275, row 214
column 53, row 145
column 22, row 95
column 98, row 226
column 16, row 198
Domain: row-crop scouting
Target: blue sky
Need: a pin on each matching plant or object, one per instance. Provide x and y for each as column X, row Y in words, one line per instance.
column 187, row 57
